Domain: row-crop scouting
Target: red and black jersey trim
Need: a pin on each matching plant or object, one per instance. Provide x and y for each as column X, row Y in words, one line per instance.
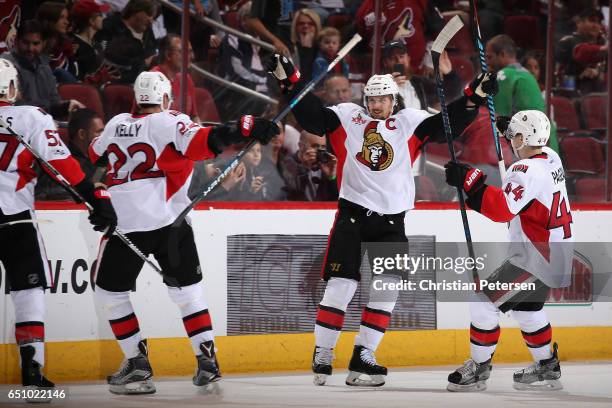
column 484, row 338
column 125, row 327
column 197, row 323
column 538, row 338
column 29, row 332
column 375, row 319
column 330, row 317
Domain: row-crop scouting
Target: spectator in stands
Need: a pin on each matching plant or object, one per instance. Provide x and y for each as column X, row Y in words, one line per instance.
column 582, row 55
column 419, row 92
column 304, row 30
column 83, row 127
column 411, row 21
column 53, row 18
column 518, row 89
column 531, row 62
column 311, row 172
column 37, row 84
column 170, row 62
column 329, row 41
column 337, row 89
column 128, row 40
column 270, row 21
column 241, row 64
column 261, row 182
column 88, row 58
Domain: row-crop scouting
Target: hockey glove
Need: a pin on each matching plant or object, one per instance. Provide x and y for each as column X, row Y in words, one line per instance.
column 464, row 176
column 259, row 129
column 103, row 216
column 283, row 70
column 484, row 84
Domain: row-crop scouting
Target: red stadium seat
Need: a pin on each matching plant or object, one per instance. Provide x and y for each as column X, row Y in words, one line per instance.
column 478, row 146
column 583, row 155
column 207, row 109
column 464, row 68
column 118, row 99
column 564, row 114
column 339, row 20
column 593, row 108
column 591, row 189
column 524, row 30
column 231, row 19
column 86, row 94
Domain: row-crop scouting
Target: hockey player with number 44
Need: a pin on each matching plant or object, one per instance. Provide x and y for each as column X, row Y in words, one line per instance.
column 376, row 146
column 533, row 199
column 150, row 162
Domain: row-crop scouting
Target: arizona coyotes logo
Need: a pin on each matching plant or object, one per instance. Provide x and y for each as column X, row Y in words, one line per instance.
column 375, row 152
column 8, row 29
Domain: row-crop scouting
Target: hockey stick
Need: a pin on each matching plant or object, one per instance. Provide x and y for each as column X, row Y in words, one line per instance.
column 490, row 105
column 8, row 224
column 173, row 249
column 68, row 187
column 449, row 30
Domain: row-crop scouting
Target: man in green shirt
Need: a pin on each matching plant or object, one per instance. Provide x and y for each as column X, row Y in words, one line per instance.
column 518, row 89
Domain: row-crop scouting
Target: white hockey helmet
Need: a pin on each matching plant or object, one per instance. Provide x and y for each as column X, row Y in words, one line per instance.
column 150, row 88
column 8, row 76
column 379, row 85
column 533, row 125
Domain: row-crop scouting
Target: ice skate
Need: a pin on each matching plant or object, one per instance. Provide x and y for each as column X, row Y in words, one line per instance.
column 363, row 362
column 541, row 376
column 208, row 367
column 470, row 377
column 31, row 377
column 134, row 376
column 322, row 364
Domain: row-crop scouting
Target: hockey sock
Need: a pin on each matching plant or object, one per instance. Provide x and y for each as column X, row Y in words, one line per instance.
column 536, row 331
column 194, row 311
column 330, row 315
column 29, row 305
column 123, row 321
column 484, row 330
column 377, row 313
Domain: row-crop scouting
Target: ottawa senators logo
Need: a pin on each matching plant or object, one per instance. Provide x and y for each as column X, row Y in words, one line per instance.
column 375, row 152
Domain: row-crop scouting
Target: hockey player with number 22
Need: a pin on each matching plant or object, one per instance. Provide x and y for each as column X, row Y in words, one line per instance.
column 376, row 146
column 150, row 162
column 533, row 199
column 22, row 251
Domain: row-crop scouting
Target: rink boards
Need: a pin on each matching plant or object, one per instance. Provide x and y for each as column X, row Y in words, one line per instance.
column 81, row 347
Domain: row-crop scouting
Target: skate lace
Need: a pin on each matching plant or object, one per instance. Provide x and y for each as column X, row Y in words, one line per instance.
column 468, row 368
column 532, row 369
column 368, row 357
column 324, row 356
column 124, row 368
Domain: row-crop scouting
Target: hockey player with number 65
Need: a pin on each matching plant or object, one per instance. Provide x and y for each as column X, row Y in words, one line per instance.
column 533, row 199
column 150, row 162
column 376, row 145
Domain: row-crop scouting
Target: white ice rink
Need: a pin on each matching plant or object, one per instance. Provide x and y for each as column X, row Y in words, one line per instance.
column 585, row 385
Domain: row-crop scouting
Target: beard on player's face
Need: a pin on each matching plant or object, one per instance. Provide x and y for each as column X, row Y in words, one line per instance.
column 380, row 107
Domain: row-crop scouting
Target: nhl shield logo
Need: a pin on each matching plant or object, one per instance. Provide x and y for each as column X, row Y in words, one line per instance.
column 375, row 153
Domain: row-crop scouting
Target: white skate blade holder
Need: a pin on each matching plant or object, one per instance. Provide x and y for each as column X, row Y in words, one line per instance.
column 138, row 387
column 478, row 386
column 319, row 379
column 354, row 379
column 545, row 385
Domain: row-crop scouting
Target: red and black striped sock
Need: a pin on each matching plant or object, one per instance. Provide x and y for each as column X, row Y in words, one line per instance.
column 328, row 326
column 483, row 342
column 198, row 326
column 127, row 332
column 539, row 342
column 374, row 323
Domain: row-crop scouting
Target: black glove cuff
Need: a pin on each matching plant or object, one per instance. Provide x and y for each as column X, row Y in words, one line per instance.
column 224, row 135
column 86, row 189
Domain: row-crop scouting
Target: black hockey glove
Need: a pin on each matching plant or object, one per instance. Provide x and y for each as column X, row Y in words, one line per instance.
column 259, row 129
column 283, row 70
column 103, row 216
column 484, row 84
column 464, row 176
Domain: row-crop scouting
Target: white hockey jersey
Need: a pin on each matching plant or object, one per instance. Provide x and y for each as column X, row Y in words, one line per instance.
column 375, row 157
column 536, row 203
column 150, row 163
column 17, row 173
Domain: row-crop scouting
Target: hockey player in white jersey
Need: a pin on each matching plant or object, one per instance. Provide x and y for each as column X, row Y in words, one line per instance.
column 376, row 146
column 22, row 251
column 150, row 163
column 533, row 199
